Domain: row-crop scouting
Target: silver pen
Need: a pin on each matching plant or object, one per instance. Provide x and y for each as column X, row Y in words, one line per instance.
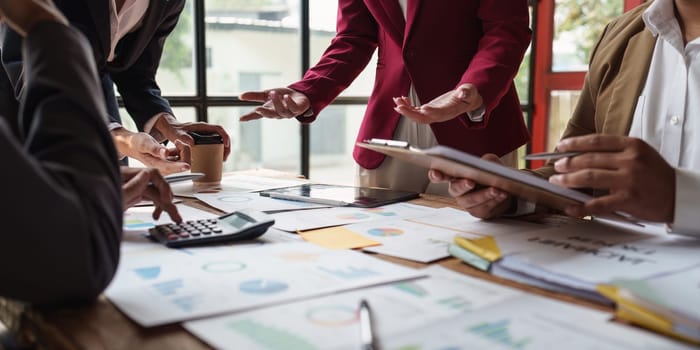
column 383, row 142
column 551, row 155
column 366, row 327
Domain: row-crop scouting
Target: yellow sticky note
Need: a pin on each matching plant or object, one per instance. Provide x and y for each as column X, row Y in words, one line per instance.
column 485, row 247
column 337, row 238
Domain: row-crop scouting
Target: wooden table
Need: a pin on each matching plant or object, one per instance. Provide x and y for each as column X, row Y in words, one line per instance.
column 102, row 326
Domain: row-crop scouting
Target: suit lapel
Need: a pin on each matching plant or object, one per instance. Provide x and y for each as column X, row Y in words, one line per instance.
column 629, row 83
column 411, row 13
column 394, row 16
column 99, row 9
column 133, row 44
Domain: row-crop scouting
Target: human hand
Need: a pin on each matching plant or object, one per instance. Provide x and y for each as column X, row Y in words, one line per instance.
column 144, row 148
column 23, row 15
column 480, row 202
column 640, row 182
column 176, row 131
column 278, row 103
column 147, row 183
column 465, row 98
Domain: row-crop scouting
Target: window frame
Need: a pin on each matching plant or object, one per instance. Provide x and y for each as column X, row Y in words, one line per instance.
column 545, row 79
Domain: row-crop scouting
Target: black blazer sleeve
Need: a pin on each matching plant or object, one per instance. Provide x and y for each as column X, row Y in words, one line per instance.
column 137, row 84
column 62, row 216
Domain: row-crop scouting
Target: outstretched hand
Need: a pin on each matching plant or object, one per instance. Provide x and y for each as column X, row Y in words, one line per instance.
column 463, row 99
column 280, row 103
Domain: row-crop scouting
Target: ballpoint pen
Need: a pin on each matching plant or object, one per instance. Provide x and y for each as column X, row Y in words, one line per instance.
column 551, row 155
column 366, row 330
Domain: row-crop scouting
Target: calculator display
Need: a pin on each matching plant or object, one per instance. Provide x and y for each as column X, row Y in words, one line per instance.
column 236, row 221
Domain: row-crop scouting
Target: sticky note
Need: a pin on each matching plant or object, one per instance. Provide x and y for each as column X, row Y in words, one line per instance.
column 337, row 238
column 485, row 247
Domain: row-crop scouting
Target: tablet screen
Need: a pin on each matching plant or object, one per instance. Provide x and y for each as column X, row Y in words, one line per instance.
column 345, row 195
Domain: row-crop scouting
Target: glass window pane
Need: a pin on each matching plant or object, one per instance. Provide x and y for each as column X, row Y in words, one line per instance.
column 264, row 143
column 332, row 140
column 562, row 104
column 176, row 75
column 322, row 18
column 577, row 25
column 522, row 79
column 251, row 44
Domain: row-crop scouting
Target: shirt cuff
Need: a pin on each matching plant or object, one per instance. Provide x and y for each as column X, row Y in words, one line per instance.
column 148, row 127
column 686, row 220
column 113, row 126
column 522, row 207
column 477, row 116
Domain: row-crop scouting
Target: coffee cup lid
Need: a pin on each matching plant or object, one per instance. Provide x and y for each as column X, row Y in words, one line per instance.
column 206, row 139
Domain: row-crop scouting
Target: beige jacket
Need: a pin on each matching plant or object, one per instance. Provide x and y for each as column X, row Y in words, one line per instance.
column 617, row 73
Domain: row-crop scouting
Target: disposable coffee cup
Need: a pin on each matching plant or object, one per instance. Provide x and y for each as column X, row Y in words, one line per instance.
column 207, row 157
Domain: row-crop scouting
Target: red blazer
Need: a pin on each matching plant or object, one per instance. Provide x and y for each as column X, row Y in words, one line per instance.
column 448, row 43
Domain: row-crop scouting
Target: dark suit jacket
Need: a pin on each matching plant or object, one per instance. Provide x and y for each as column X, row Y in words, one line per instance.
column 137, row 55
column 61, row 188
column 448, row 43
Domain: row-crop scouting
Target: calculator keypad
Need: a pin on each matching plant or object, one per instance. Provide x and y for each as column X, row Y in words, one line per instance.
column 240, row 225
column 187, row 230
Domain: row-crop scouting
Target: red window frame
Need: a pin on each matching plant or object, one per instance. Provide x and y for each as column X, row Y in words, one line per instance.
column 545, row 80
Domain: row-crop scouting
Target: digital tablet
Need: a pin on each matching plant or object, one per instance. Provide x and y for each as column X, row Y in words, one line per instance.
column 456, row 163
column 336, row 195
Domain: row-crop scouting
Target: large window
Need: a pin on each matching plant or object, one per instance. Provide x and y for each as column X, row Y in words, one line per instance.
column 221, row 48
column 567, row 31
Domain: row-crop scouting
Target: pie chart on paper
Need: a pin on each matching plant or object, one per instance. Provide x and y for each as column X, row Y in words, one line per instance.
column 385, row 232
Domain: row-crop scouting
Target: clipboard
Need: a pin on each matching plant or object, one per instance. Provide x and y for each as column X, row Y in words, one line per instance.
column 456, row 163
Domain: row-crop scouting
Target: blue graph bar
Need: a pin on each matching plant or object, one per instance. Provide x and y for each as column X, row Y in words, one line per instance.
column 168, row 287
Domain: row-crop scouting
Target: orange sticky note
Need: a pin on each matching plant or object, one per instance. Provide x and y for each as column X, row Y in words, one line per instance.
column 337, row 238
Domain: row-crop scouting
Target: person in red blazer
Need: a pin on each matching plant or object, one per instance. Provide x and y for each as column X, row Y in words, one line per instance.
column 459, row 57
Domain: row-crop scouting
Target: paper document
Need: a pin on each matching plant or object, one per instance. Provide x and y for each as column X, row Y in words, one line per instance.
column 165, row 286
column 232, row 201
column 407, row 239
column 583, row 255
column 331, row 322
column 670, row 301
column 319, row 218
column 233, row 183
column 529, row 323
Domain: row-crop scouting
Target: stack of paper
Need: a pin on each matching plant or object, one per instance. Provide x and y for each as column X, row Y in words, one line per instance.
column 667, row 304
column 448, row 310
column 575, row 258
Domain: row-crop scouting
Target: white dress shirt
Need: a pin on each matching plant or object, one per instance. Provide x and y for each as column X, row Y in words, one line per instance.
column 122, row 22
column 667, row 115
column 475, row 116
